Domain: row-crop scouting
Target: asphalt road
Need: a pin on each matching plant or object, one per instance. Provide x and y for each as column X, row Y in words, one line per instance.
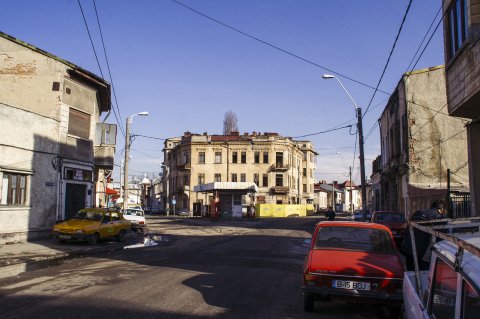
column 200, row 269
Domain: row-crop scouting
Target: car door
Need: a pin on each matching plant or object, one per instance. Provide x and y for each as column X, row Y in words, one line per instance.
column 116, row 223
column 106, row 227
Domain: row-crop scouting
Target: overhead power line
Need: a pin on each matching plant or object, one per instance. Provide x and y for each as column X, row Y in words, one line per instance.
column 389, row 56
column 119, row 119
column 277, row 47
column 323, row 132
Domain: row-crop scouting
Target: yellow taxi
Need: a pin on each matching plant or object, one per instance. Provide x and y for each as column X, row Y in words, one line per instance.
column 92, row 224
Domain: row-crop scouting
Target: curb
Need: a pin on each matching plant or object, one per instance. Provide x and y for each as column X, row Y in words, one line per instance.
column 39, row 262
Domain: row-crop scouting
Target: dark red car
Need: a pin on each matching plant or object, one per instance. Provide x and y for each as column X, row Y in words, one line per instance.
column 393, row 220
column 355, row 262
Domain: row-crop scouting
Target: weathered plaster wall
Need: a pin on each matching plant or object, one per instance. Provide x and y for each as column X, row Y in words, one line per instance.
column 437, row 141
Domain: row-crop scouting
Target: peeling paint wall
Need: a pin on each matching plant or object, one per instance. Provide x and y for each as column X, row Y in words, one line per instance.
column 420, row 141
column 34, row 117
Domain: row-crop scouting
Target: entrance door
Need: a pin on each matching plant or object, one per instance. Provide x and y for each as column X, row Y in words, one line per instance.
column 74, row 198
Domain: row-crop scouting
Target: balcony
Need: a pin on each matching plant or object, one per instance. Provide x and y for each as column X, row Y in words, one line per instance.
column 280, row 189
column 279, row 167
column 183, row 166
column 104, row 156
column 183, row 188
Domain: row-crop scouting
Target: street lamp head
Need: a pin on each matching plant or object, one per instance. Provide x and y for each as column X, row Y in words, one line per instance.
column 143, row 113
column 328, row 76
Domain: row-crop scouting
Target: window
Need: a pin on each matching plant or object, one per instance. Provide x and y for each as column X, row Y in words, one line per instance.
column 444, row 291
column 79, row 123
column 457, row 25
column 279, row 180
column 265, row 180
column 256, row 179
column 217, row 178
column 13, row 189
column 244, row 157
column 304, row 188
column 201, row 157
column 186, row 180
column 201, row 178
column 186, row 158
column 218, row 157
column 234, row 177
column 471, row 302
column 305, row 172
column 305, row 156
column 234, row 157
column 279, row 159
column 243, row 178
column 256, row 157
column 265, row 157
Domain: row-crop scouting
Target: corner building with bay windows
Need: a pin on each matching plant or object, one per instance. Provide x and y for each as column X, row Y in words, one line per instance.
column 238, row 170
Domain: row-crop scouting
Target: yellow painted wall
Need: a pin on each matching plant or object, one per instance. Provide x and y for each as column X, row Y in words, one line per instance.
column 282, row 210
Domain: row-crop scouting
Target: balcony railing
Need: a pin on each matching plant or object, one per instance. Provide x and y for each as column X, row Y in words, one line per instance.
column 280, row 189
column 280, row 167
column 184, row 166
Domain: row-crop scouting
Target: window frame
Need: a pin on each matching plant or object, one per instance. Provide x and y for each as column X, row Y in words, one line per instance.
column 456, row 22
column 218, row 157
column 79, row 117
column 243, row 157
column 17, row 196
column 201, row 157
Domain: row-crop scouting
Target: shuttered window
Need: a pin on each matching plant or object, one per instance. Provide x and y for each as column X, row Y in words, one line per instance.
column 79, row 124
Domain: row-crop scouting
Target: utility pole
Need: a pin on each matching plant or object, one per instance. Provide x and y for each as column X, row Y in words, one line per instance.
column 125, row 167
column 351, row 193
column 362, row 163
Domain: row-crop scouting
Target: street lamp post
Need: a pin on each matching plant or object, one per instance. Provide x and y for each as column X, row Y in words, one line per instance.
column 167, row 178
column 360, row 145
column 127, row 157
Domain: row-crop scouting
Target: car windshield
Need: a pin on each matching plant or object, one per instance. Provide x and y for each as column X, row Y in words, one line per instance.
column 389, row 218
column 354, row 238
column 83, row 215
column 133, row 212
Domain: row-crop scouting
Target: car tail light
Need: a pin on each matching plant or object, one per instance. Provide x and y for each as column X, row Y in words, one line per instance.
column 141, row 222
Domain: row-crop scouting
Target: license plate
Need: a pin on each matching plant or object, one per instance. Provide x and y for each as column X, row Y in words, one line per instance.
column 64, row 236
column 352, row 285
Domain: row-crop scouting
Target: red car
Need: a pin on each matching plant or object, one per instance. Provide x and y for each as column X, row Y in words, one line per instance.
column 355, row 262
column 393, row 220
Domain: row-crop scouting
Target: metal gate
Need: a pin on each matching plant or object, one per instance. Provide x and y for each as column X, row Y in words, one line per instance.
column 460, row 205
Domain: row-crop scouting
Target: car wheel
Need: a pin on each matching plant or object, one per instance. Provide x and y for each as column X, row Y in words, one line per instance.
column 93, row 239
column 121, row 236
column 308, row 301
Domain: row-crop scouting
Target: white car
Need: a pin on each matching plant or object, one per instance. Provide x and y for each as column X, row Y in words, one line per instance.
column 136, row 217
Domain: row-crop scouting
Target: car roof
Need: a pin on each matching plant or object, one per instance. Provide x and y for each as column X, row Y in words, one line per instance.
column 470, row 262
column 98, row 210
column 353, row 224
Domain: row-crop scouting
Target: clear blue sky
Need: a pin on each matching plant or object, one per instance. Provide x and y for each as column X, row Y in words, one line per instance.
column 187, row 70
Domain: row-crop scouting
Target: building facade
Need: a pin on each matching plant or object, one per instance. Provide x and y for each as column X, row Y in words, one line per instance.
column 462, row 56
column 419, row 144
column 282, row 169
column 49, row 158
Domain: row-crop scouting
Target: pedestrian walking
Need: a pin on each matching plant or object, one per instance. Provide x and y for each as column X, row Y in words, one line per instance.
column 330, row 214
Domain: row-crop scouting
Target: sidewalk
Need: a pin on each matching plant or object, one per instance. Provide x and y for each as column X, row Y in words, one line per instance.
column 22, row 257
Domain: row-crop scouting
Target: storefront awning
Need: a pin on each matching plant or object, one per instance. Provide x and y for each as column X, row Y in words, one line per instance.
column 226, row 186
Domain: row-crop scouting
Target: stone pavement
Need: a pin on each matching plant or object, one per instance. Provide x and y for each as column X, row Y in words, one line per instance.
column 22, row 257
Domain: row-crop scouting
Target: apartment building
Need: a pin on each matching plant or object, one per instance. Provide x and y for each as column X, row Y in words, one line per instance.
column 237, row 170
column 420, row 143
column 462, row 55
column 53, row 151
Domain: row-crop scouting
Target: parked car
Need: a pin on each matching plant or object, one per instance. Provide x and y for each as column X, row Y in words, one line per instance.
column 357, row 215
column 354, row 262
column 451, row 286
column 393, row 220
column 92, row 224
column 183, row 212
column 136, row 217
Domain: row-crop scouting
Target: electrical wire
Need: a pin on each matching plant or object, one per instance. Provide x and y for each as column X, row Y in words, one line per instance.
column 109, row 71
column 276, row 47
column 91, row 40
column 322, row 132
column 441, row 141
column 389, row 57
